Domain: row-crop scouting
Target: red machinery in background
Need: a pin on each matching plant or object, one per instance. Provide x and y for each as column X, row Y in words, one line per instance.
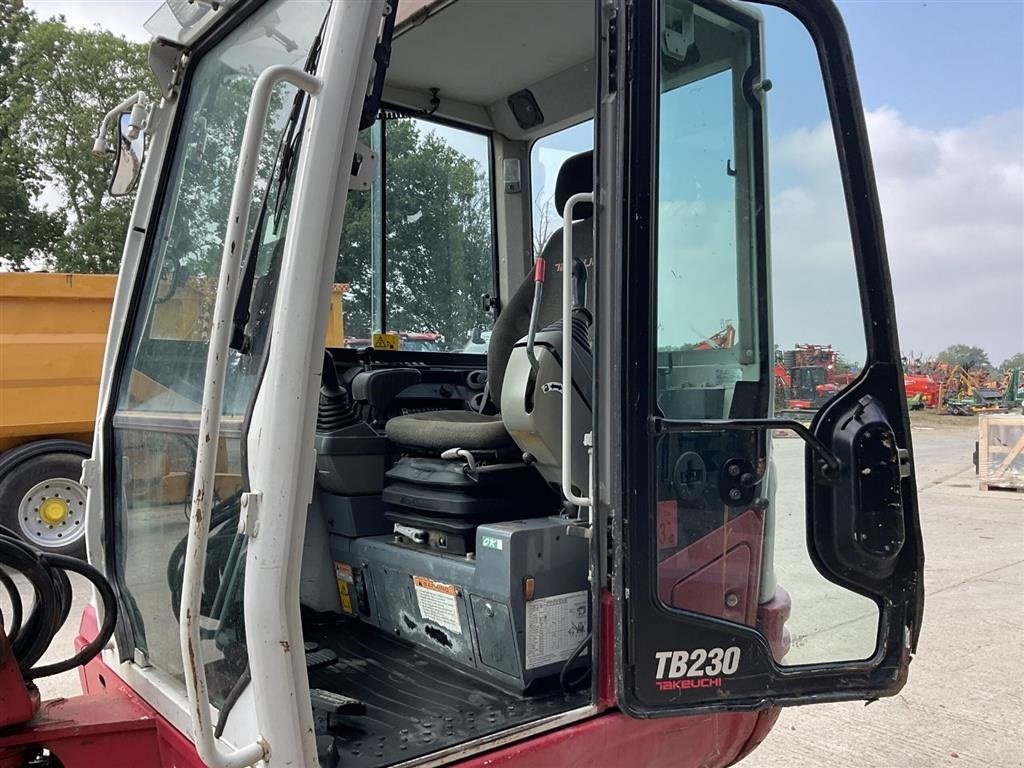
column 808, row 375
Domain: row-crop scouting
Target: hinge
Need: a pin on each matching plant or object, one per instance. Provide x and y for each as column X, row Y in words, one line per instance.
column 178, row 74
column 613, row 53
column 168, row 63
column 249, row 519
column 628, row 53
column 906, row 466
column 90, row 473
column 364, row 168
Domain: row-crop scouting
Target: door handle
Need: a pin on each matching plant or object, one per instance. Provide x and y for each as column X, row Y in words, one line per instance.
column 828, row 465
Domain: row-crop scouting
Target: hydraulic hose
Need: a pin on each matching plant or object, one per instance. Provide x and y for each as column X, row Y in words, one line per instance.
column 30, row 636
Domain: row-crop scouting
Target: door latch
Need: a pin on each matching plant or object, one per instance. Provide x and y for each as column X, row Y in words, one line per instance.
column 906, row 465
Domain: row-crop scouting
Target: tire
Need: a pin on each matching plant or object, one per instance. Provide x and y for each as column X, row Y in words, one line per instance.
column 41, row 498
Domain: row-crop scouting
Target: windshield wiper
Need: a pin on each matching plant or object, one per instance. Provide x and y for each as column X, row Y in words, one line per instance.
column 288, row 150
column 284, row 160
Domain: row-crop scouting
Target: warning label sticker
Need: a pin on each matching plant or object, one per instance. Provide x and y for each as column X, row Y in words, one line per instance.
column 346, row 586
column 555, row 626
column 437, row 603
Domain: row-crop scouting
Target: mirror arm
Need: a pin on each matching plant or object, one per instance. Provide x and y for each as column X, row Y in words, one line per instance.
column 138, row 103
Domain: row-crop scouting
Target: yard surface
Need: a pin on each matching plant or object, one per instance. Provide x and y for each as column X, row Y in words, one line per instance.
column 964, row 702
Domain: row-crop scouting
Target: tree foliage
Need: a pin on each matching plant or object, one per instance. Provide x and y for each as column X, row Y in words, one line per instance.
column 1014, row 361
column 56, row 83
column 438, row 249
column 26, row 231
column 968, row 356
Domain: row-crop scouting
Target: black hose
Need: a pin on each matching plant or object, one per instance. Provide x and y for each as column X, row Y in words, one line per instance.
column 47, row 575
column 568, row 685
column 14, row 596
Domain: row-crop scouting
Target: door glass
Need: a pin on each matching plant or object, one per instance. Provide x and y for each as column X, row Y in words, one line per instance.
column 417, row 253
column 744, row 335
column 156, row 425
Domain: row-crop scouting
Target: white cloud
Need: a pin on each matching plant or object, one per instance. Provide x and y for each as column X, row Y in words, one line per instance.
column 122, row 17
column 953, row 206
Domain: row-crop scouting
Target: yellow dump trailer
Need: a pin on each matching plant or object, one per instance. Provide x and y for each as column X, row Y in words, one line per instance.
column 53, row 328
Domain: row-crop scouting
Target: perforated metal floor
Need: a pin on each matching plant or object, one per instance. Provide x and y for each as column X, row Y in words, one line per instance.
column 416, row 703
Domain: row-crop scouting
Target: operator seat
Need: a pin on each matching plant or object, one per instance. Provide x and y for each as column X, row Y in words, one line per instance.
column 433, row 432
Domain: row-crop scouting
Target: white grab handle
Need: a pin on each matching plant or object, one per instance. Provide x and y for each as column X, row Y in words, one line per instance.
column 209, row 423
column 567, row 269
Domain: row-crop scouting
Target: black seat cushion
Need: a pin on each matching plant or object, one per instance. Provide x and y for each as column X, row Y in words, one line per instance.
column 437, row 431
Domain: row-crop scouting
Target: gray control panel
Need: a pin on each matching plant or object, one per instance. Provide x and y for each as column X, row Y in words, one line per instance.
column 514, row 613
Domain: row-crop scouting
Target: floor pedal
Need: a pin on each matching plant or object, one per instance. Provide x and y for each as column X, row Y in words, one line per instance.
column 321, row 658
column 329, row 703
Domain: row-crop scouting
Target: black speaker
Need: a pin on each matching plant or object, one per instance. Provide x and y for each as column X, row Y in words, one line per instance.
column 525, row 110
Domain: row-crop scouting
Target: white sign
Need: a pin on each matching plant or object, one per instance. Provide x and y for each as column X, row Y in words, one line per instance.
column 555, row 626
column 437, row 603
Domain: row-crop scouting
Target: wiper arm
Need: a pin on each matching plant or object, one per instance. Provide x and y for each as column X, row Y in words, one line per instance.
column 287, row 150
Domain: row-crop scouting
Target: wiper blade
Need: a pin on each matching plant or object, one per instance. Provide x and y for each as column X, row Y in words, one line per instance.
column 287, row 151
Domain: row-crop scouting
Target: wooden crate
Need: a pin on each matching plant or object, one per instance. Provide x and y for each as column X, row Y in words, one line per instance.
column 1001, row 452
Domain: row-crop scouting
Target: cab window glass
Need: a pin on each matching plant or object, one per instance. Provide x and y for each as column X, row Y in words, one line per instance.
column 758, row 314
column 546, row 157
column 416, row 255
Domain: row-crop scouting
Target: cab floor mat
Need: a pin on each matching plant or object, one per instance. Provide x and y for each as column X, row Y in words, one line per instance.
column 415, row 703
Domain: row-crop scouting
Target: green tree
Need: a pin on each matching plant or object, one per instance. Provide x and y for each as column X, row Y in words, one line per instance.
column 438, row 240
column 64, row 80
column 26, row 231
column 963, row 354
column 1015, row 361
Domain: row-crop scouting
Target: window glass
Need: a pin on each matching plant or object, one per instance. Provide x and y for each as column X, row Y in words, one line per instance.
column 359, row 269
column 697, row 246
column 157, row 421
column 417, row 255
column 757, row 314
column 546, row 158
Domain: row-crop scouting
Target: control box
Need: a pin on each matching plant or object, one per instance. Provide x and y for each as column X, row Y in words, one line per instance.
column 514, row 613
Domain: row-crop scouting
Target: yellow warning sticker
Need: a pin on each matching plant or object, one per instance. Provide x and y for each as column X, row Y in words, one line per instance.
column 346, row 586
column 437, row 602
column 386, row 341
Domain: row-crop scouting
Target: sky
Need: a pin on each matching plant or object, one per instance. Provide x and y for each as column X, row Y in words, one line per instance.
column 943, row 88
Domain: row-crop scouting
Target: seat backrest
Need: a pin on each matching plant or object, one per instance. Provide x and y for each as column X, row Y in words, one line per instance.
column 576, row 175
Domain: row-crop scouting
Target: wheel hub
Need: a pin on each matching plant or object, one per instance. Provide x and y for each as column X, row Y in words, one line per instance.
column 52, row 513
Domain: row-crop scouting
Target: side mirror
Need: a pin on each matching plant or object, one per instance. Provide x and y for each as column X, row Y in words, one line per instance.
column 131, row 148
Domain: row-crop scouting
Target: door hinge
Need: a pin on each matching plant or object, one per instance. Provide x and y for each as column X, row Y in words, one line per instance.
column 613, row 53
column 364, row 168
column 90, row 473
column 906, row 465
column 249, row 519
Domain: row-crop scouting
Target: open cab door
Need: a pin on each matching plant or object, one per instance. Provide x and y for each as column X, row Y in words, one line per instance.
column 766, row 553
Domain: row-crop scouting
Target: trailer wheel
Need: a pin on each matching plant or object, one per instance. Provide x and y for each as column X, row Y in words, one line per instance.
column 41, row 498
